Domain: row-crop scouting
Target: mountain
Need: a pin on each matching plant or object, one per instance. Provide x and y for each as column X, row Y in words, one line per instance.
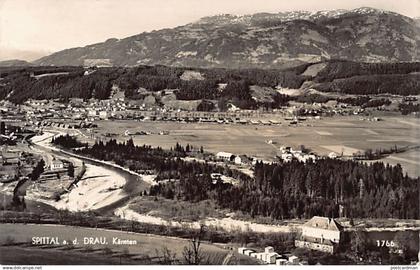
column 261, row 40
column 14, row 63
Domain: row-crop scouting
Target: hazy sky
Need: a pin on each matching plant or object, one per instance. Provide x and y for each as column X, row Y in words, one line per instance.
column 30, row 28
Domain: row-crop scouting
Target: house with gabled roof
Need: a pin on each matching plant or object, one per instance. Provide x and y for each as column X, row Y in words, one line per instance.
column 320, row 233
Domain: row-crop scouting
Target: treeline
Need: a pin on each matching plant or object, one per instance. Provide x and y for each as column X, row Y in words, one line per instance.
column 369, row 78
column 167, row 164
column 397, row 84
column 98, row 84
column 407, row 108
column 67, row 141
column 298, row 190
column 21, row 87
column 370, row 154
column 337, row 69
column 365, row 101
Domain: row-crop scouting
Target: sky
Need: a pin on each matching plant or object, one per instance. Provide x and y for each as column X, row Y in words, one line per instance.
column 30, row 29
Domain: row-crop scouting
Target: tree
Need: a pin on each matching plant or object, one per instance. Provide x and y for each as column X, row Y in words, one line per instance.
column 359, row 243
column 37, row 171
column 166, row 257
column 70, row 170
column 192, row 253
column 2, row 128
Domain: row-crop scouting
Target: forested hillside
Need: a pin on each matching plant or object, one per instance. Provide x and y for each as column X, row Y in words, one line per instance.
column 369, row 78
column 18, row 84
column 298, row 190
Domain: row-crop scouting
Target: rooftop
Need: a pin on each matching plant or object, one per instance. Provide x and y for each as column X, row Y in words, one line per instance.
column 324, row 223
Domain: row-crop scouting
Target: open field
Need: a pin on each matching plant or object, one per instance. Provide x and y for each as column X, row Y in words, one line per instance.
column 13, row 255
column 146, row 244
column 348, row 133
column 410, row 161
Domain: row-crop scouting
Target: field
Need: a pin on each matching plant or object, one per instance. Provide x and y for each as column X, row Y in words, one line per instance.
column 338, row 134
column 146, row 244
column 13, row 255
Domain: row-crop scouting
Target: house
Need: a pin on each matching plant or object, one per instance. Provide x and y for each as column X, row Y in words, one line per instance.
column 281, row 261
column 92, row 113
column 320, row 233
column 270, row 258
column 10, row 158
column 56, row 164
column 269, row 249
column 224, row 156
column 241, row 250
column 293, row 259
column 103, row 115
column 249, row 252
column 237, row 160
column 332, row 155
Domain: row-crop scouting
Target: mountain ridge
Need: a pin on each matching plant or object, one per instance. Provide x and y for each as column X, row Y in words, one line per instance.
column 262, row 40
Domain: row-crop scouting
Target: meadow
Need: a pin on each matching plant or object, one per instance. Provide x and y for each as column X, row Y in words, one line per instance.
column 345, row 135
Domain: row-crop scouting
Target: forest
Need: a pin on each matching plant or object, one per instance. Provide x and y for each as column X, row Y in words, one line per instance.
column 19, row 84
column 337, row 69
column 327, row 187
column 67, row 141
column 167, row 164
column 365, row 101
column 407, row 108
column 98, row 84
column 298, row 190
column 399, row 84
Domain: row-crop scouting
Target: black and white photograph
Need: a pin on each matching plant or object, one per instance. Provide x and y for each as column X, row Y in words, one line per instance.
column 209, row 133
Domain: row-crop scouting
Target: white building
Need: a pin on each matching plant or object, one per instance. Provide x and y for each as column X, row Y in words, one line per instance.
column 268, row 256
column 224, row 155
column 92, row 113
column 56, row 164
column 249, row 252
column 281, row 261
column 320, row 233
column 293, row 259
column 237, row 160
column 103, row 115
column 332, row 155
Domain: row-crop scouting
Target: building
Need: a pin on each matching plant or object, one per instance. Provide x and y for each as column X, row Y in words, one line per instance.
column 293, row 259
column 103, row 115
column 56, row 165
column 320, row 233
column 92, row 113
column 333, row 155
column 10, row 158
column 267, row 257
column 225, row 156
column 237, row 160
column 281, row 261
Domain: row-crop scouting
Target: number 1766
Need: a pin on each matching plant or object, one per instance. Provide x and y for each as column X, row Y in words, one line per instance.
column 385, row 243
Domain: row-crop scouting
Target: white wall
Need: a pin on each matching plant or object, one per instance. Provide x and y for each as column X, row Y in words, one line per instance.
column 321, row 233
